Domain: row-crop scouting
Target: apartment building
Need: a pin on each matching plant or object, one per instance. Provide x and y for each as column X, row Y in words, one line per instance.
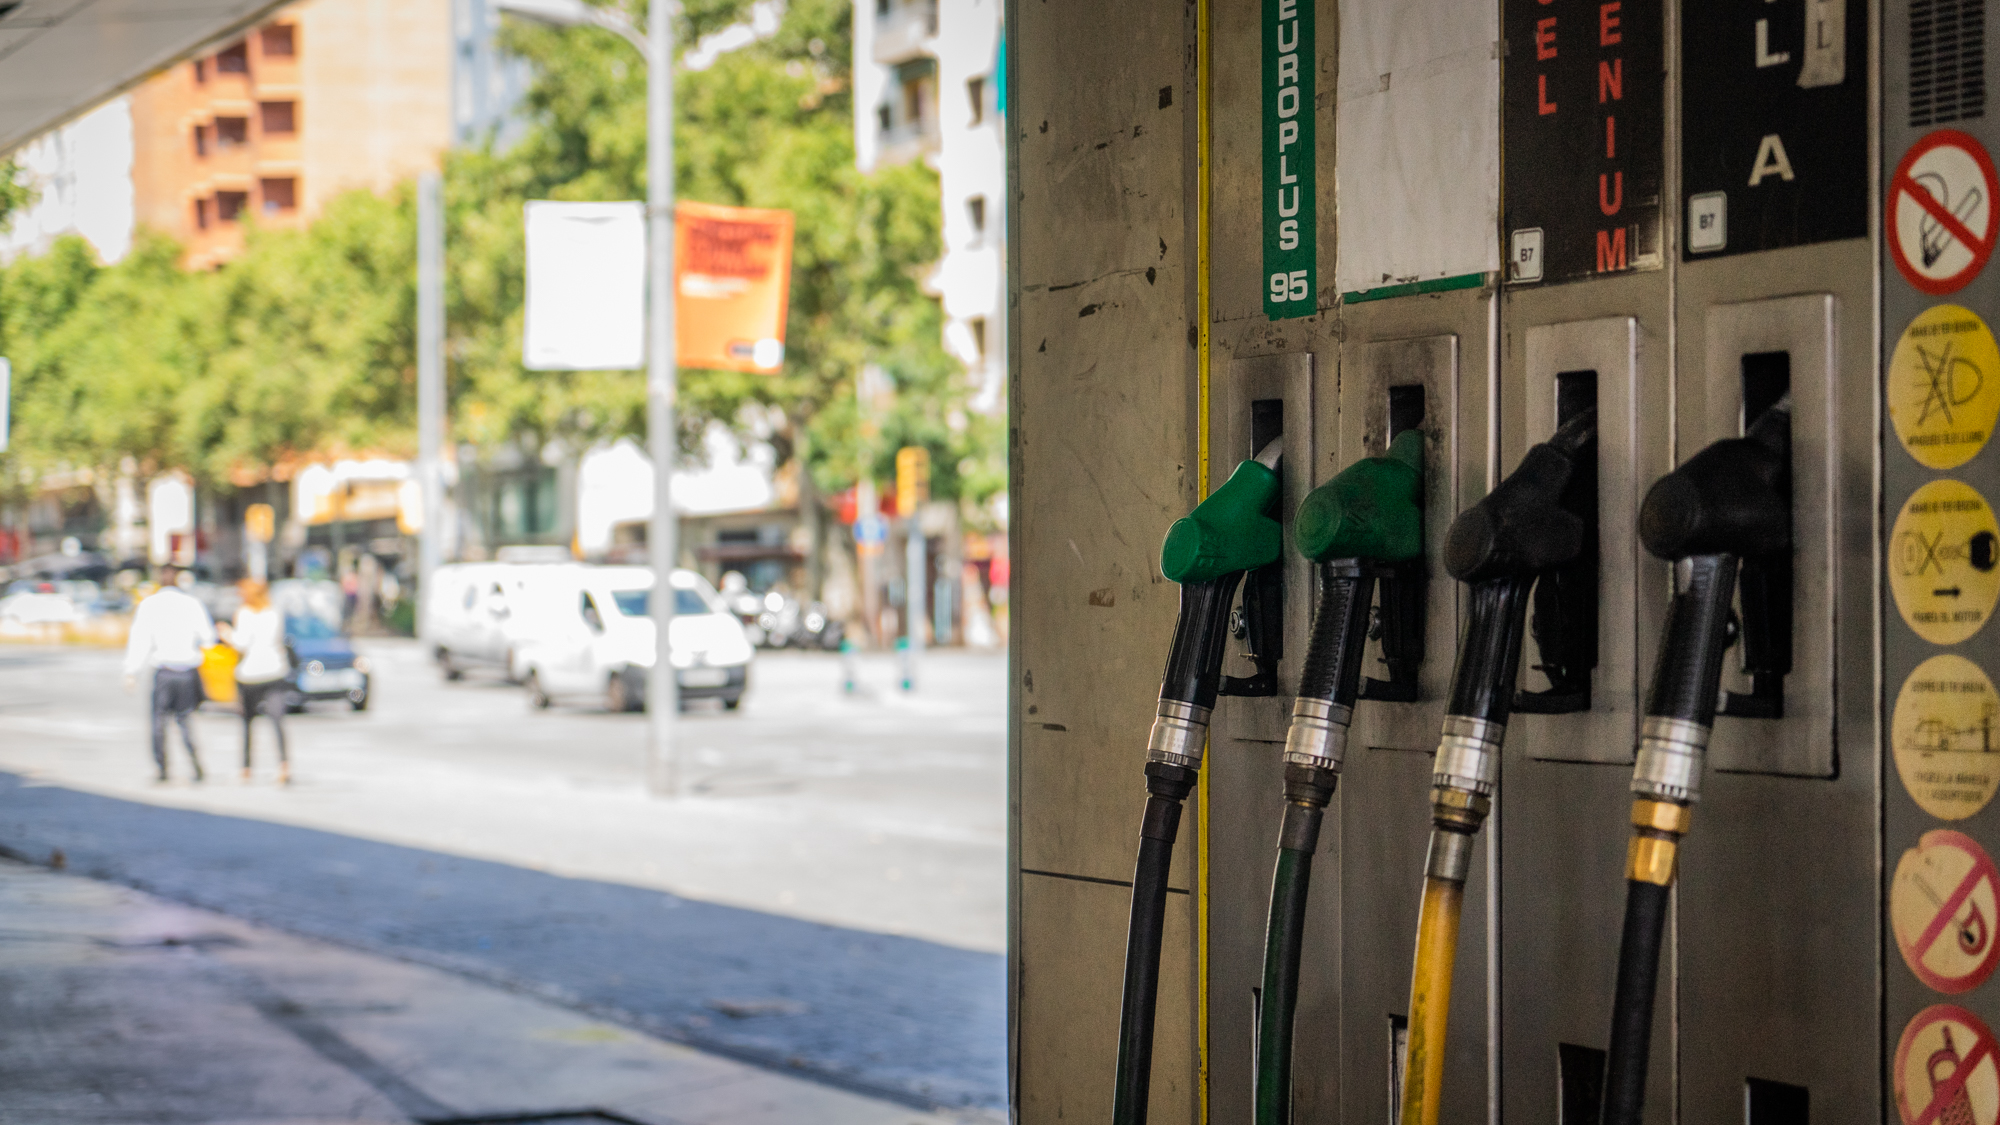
column 328, row 96
column 927, row 87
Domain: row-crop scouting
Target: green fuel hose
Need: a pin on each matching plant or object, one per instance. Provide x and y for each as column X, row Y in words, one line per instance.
column 1368, row 515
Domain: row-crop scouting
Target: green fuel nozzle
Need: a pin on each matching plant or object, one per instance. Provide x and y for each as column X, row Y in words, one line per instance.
column 1363, row 526
column 1228, row 533
column 1207, row 552
column 1372, row 510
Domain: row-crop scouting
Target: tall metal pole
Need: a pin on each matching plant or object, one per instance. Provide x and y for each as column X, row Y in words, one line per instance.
column 663, row 695
column 430, row 379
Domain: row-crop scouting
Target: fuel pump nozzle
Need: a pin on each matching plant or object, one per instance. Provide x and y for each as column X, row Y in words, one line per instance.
column 1728, row 504
column 1353, row 528
column 1498, row 547
column 1207, row 552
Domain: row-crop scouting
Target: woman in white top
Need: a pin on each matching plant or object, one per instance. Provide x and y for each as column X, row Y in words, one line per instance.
column 259, row 638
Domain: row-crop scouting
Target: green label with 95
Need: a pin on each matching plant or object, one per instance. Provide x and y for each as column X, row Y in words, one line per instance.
column 1291, row 281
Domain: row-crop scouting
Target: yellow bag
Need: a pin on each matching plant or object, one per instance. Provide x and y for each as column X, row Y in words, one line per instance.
column 218, row 673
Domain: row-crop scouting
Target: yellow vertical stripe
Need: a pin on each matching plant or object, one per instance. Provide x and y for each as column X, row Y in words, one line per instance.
column 1201, row 92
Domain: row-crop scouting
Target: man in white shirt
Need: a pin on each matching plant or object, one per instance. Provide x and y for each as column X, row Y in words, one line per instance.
column 169, row 631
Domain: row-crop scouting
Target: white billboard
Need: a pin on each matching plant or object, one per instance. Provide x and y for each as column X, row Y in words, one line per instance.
column 586, row 286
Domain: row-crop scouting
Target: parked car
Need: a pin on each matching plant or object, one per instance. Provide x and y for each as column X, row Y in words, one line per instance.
column 471, row 615
column 588, row 631
column 325, row 666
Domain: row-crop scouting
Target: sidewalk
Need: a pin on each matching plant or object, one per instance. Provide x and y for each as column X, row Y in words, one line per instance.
column 116, row 1007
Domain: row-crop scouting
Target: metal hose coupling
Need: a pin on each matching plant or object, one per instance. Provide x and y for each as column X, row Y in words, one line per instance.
column 1468, row 754
column 1318, row 735
column 1657, row 828
column 1180, row 731
column 1669, row 760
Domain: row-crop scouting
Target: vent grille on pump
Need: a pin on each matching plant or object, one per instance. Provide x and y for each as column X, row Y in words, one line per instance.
column 1947, row 60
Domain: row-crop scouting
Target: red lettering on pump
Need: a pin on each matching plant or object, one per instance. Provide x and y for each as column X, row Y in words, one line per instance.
column 1545, row 38
column 1611, row 204
column 1610, row 80
column 1608, row 34
column 1610, row 138
column 1610, row 250
column 1542, row 94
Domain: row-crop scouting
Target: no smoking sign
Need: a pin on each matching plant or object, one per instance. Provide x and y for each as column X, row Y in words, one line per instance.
column 1941, row 222
column 1943, row 905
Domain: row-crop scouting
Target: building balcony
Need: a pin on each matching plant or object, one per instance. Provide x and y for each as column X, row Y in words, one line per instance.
column 906, row 31
column 907, row 142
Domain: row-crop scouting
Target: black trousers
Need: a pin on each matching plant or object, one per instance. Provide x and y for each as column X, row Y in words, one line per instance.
column 268, row 699
column 176, row 692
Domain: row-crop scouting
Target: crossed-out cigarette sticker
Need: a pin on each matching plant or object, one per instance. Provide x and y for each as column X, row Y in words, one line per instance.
column 1945, row 1070
column 1941, row 221
column 1943, row 905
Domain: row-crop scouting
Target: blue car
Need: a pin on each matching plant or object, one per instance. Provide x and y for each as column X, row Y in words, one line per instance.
column 325, row 666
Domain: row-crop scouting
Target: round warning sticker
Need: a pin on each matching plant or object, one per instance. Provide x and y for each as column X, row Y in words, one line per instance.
column 1942, row 557
column 1946, row 738
column 1945, row 1070
column 1944, row 386
column 1940, row 219
column 1943, row 905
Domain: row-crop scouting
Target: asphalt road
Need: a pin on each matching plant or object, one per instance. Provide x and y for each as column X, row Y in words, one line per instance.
column 828, row 896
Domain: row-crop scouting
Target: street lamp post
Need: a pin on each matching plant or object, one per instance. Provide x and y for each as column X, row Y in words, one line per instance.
column 656, row 46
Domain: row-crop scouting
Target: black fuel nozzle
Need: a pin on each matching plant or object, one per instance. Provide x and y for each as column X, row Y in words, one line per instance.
column 1728, row 504
column 1499, row 547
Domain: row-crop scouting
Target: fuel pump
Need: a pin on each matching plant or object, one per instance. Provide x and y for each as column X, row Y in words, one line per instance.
column 1207, row 553
column 1356, row 528
column 1730, row 504
column 1498, row 548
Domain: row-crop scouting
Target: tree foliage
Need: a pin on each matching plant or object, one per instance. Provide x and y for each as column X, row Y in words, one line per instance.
column 305, row 343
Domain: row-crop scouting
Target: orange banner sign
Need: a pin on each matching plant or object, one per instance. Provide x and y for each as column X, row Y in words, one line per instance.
column 733, row 268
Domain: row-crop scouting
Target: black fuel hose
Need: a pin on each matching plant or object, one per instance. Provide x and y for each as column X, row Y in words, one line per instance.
column 1727, row 503
column 1207, row 553
column 1194, row 671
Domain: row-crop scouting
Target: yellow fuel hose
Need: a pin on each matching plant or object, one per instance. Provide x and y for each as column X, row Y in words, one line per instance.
column 1430, row 1000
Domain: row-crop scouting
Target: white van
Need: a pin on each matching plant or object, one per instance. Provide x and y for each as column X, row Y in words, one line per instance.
column 472, row 614
column 588, row 631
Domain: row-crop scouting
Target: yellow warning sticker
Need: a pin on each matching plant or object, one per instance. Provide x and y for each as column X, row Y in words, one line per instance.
column 1942, row 556
column 1946, row 738
column 1944, row 386
column 1943, row 905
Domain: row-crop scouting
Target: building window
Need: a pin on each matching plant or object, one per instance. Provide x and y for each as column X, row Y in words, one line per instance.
column 884, row 119
column 200, row 71
column 276, row 40
column 201, row 140
column 975, row 92
column 978, row 326
column 233, row 59
column 231, row 132
column 277, row 118
column 230, row 204
column 975, row 209
column 882, row 7
column 201, row 214
column 280, row 196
